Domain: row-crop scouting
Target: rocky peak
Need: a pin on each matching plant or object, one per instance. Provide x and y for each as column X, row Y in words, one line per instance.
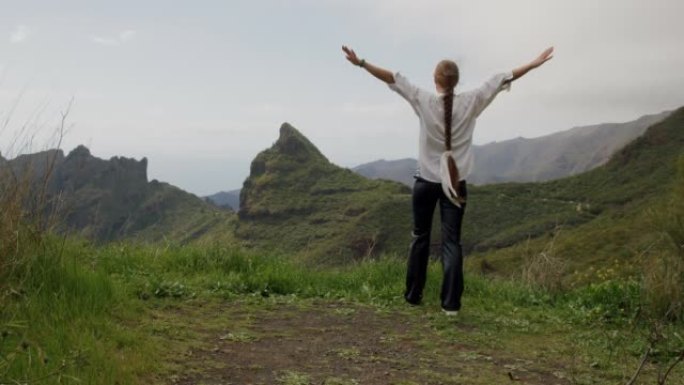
column 291, row 150
column 79, row 152
column 292, row 143
column 81, row 168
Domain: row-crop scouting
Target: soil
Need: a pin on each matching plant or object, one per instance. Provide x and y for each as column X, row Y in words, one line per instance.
column 329, row 342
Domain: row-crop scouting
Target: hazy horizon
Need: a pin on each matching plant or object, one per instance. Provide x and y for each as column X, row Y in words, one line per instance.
column 200, row 89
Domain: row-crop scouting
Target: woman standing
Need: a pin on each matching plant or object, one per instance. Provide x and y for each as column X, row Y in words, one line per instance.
column 445, row 159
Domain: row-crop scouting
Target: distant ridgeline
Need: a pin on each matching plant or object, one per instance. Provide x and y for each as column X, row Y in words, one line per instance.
column 295, row 202
column 548, row 157
column 108, row 200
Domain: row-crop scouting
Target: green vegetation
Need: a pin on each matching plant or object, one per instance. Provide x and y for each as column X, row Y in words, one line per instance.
column 296, row 202
column 603, row 218
column 62, row 322
column 78, row 311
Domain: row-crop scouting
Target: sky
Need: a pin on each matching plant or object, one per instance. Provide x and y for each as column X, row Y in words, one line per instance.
column 199, row 88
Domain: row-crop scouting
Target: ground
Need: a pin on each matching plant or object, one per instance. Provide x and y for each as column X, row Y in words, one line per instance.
column 285, row 341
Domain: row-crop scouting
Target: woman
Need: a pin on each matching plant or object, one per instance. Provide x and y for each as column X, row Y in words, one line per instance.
column 445, row 159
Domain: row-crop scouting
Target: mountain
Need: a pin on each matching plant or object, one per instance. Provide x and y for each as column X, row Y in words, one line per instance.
column 600, row 217
column 107, row 200
column 295, row 200
column 557, row 155
column 401, row 170
column 226, row 199
column 539, row 159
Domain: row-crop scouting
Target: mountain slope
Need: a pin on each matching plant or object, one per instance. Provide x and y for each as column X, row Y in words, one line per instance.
column 295, row 200
column 226, row 199
column 557, row 155
column 544, row 158
column 400, row 170
column 107, row 200
column 603, row 214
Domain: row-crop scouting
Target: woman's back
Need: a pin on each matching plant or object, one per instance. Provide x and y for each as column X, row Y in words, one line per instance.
column 429, row 107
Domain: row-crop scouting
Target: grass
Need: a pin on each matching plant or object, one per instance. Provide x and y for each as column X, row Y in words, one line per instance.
column 64, row 321
column 87, row 312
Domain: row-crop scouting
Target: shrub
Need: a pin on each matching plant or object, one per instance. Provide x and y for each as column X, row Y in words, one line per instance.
column 544, row 270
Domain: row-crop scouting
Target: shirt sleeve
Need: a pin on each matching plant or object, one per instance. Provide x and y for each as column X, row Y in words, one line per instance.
column 484, row 95
column 408, row 91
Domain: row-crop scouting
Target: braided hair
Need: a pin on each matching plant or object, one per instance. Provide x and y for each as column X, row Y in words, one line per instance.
column 447, row 76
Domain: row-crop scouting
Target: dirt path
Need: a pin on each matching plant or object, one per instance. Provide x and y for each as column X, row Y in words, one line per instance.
column 324, row 342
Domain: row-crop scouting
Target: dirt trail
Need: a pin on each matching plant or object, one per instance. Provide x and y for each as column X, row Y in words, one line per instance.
column 325, row 342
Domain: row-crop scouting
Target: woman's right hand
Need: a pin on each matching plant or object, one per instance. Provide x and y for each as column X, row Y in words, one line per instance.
column 351, row 55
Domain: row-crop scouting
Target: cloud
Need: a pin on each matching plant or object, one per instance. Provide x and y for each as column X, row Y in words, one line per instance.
column 126, row 35
column 20, row 34
column 123, row 37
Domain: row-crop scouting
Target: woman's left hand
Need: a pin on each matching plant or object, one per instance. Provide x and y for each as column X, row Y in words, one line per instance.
column 543, row 58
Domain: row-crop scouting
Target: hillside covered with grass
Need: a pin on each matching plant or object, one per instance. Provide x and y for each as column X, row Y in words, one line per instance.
column 607, row 216
column 296, row 201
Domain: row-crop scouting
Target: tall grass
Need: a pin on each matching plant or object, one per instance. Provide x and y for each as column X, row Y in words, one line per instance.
column 57, row 316
column 184, row 271
column 664, row 268
column 59, row 325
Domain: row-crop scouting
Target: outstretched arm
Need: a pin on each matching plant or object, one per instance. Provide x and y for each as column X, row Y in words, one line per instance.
column 380, row 73
column 541, row 59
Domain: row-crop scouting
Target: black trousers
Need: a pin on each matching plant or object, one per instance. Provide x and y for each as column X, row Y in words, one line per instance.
column 425, row 197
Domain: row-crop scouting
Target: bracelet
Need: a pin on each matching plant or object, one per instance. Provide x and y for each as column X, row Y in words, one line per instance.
column 362, row 63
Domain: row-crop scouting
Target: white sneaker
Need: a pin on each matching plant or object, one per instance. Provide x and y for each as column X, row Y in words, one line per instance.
column 450, row 313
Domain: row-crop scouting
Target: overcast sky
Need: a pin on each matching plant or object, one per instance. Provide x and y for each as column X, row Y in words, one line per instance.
column 199, row 88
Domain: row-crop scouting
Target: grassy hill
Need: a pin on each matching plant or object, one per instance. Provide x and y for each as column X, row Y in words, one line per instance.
column 295, row 200
column 605, row 216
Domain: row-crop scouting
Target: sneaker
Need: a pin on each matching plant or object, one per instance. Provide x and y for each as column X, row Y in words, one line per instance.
column 450, row 313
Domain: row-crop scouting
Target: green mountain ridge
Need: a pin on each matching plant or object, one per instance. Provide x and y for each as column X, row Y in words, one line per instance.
column 108, row 200
column 295, row 200
column 602, row 216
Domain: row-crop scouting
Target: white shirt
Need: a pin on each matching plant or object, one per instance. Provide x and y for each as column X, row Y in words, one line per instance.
column 430, row 110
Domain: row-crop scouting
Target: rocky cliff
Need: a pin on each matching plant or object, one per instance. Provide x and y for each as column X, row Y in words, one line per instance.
column 110, row 199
